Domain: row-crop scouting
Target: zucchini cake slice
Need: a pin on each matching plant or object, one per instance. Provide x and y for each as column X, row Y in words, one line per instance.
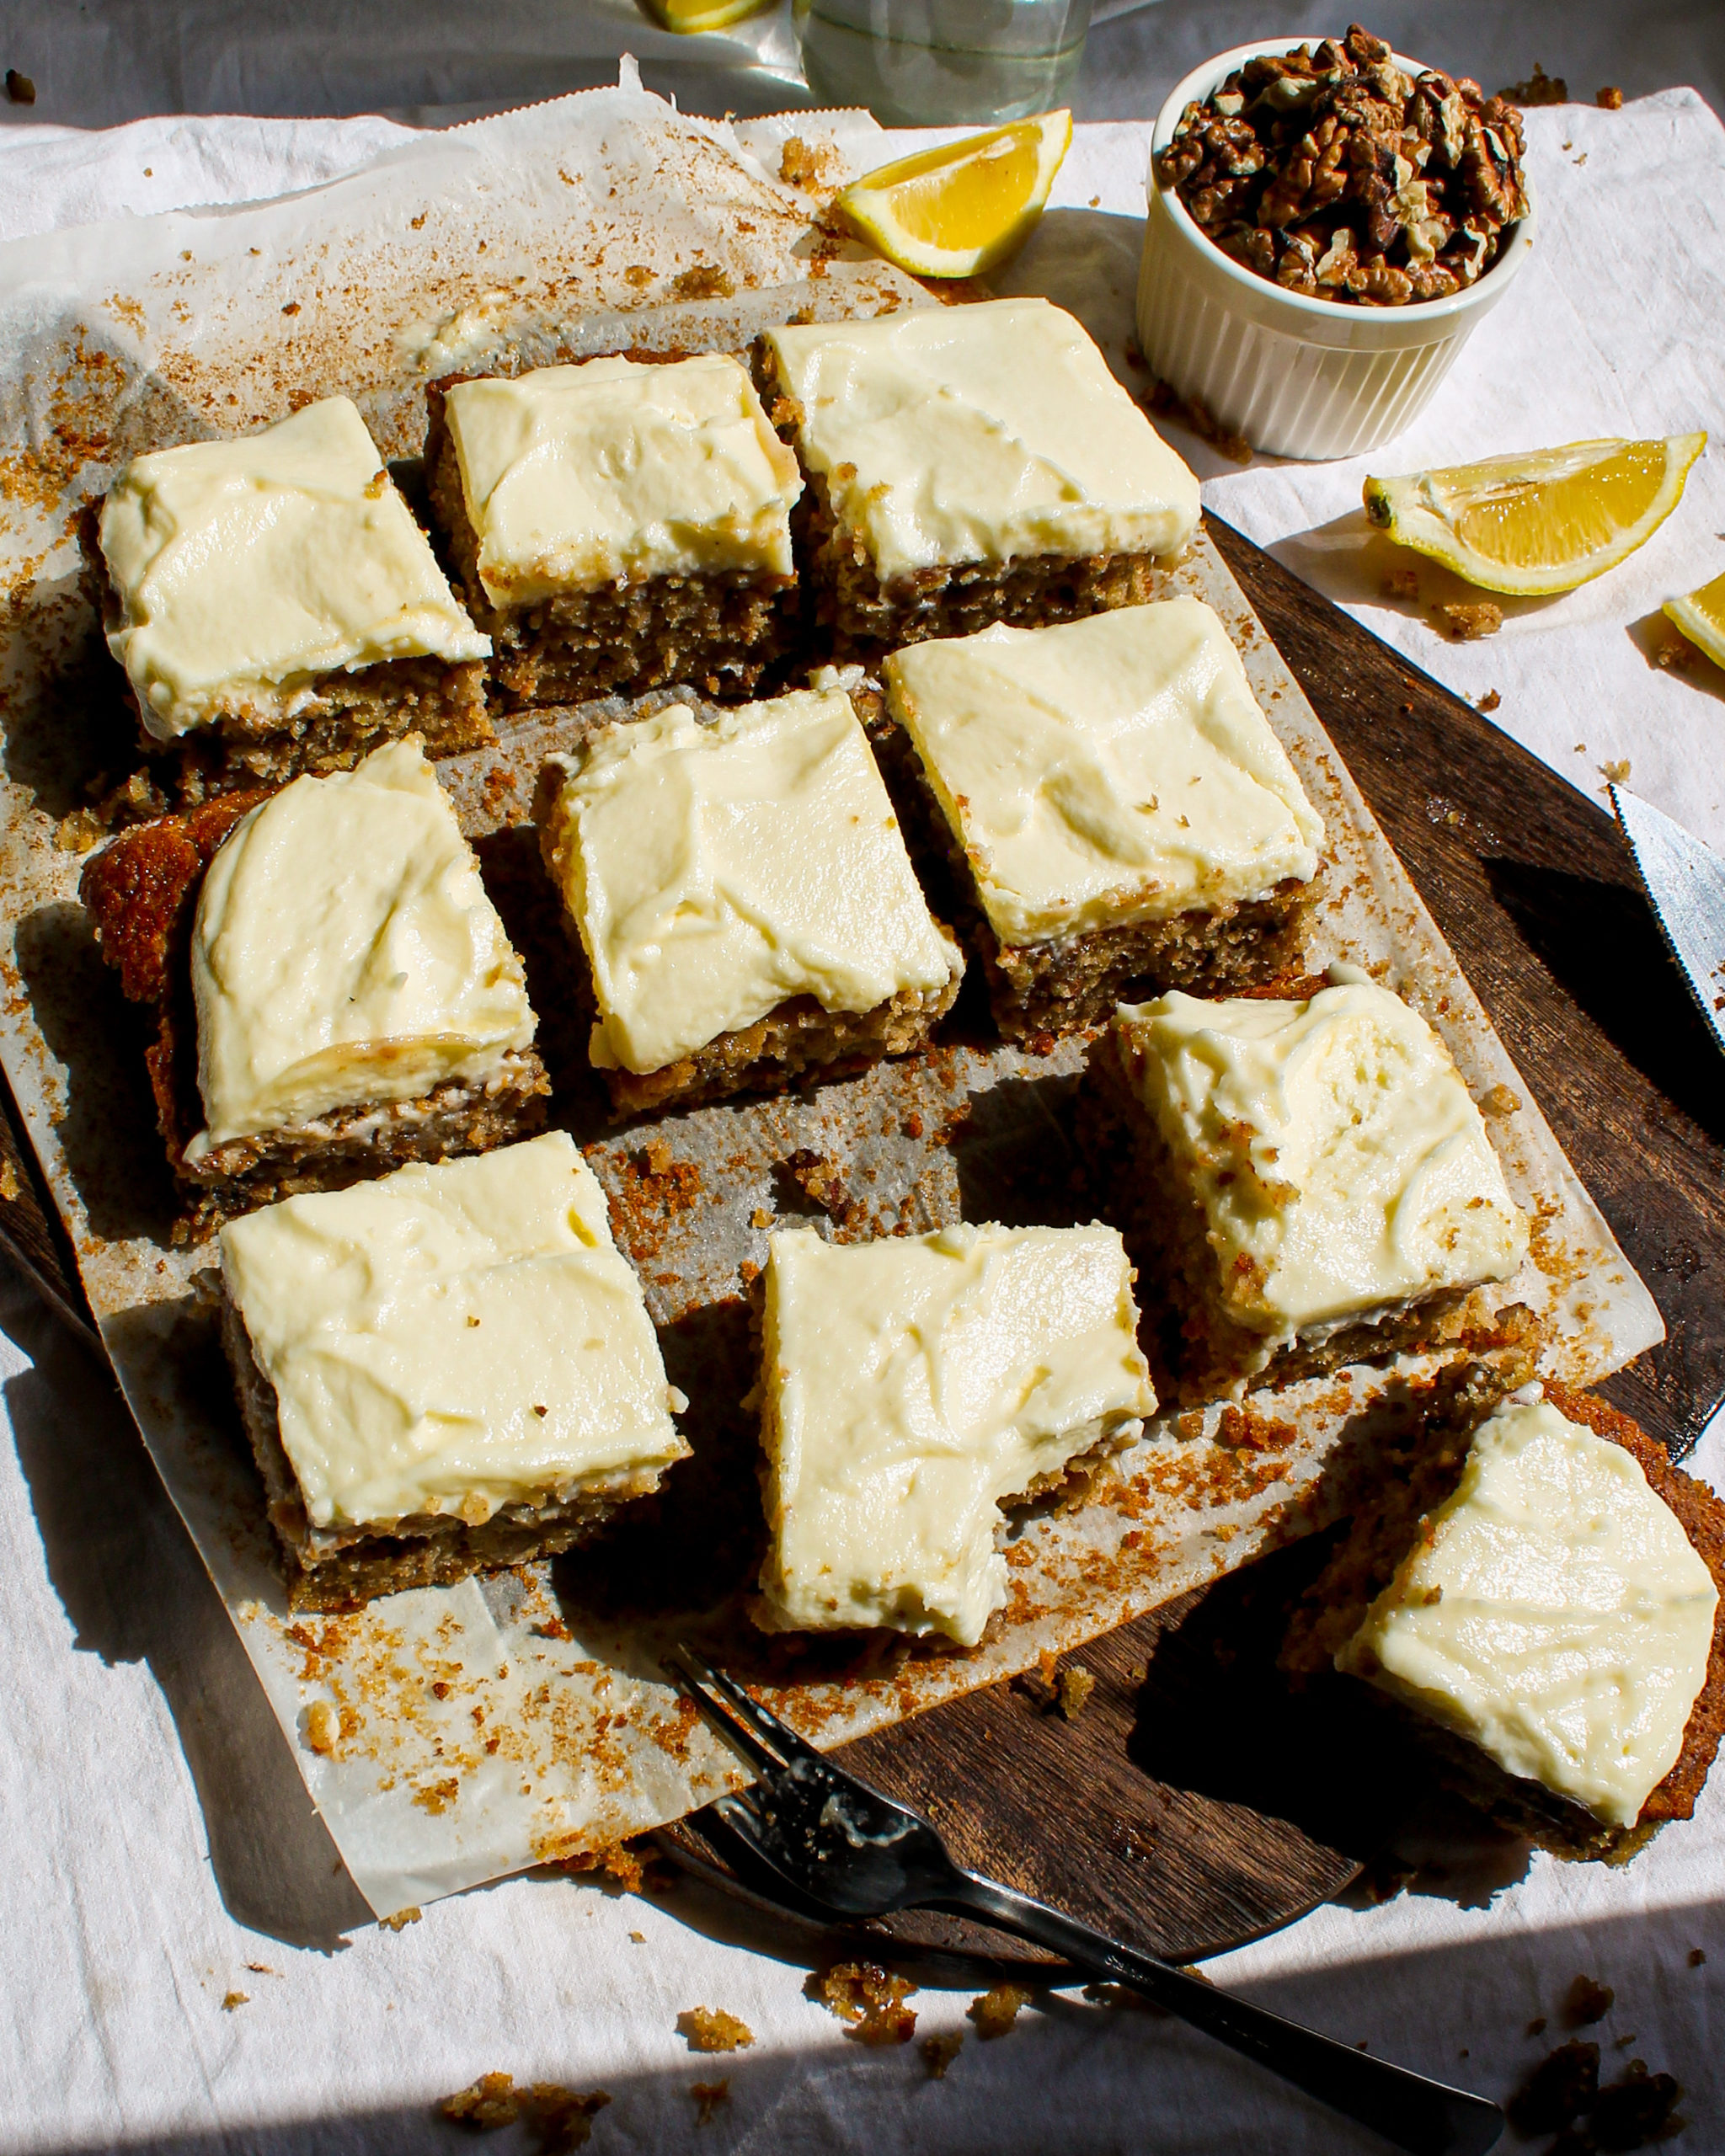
column 333, row 993
column 911, row 1386
column 742, row 898
column 968, row 465
column 277, row 610
column 445, row 1371
column 1115, row 806
column 1539, row 1586
column 617, row 525
column 1301, row 1183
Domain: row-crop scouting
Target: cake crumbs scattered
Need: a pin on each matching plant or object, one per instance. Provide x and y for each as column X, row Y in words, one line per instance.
column 1489, row 702
column 236, row 1998
column 868, row 2000
column 996, row 2010
column 1697, row 1956
column 20, row 89
column 938, row 2053
column 705, row 281
column 1677, row 654
column 1561, row 2087
column 1501, row 1100
column 1198, row 419
column 1467, row 620
column 618, row 1862
column 262, row 1969
column 1609, row 99
column 708, row 2096
column 1538, row 2026
column 1637, row 2109
column 638, row 1938
column 1539, row 89
column 1587, row 2000
column 322, row 1726
column 562, row 2118
column 710, row 2029
column 1402, row 583
column 760, row 1218
column 1615, row 770
column 1075, row 1686
column 9, row 1184
column 401, row 1919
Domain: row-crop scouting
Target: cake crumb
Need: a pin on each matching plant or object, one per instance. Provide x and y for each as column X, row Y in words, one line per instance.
column 1561, row 2087
column 1587, row 2000
column 710, row 2029
column 708, row 2096
column 9, row 1184
column 562, row 2118
column 1489, row 702
column 1634, row 2110
column 322, row 1726
column 1697, row 1956
column 1402, row 583
column 484, row 2105
column 638, row 1938
column 236, row 1998
column 1465, row 622
column 262, row 1969
column 616, row 1860
column 401, row 1919
column 1615, row 770
column 20, row 89
column 868, row 2000
column 760, row 1218
column 938, row 2053
column 1677, row 654
column 1609, row 99
column 705, row 281
column 1074, row 1687
column 1539, row 89
column 996, row 2010
column 1538, row 2026
column 1502, row 1099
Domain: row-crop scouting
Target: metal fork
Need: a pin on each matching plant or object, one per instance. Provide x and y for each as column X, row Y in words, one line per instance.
column 837, row 1843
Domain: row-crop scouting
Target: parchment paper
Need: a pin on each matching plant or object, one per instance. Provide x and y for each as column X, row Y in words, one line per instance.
column 516, row 1720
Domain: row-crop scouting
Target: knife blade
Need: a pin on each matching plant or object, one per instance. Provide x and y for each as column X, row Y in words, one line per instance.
column 1685, row 880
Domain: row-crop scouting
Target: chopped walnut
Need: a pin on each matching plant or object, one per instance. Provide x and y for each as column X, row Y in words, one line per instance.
column 1465, row 622
column 709, row 2029
column 868, row 2000
column 996, row 2010
column 1334, row 173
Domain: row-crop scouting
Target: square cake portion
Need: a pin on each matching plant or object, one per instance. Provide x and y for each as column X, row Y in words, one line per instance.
column 912, row 1386
column 1116, row 807
column 445, row 1371
column 1536, row 1584
column 333, row 993
column 1302, row 1184
column 968, row 465
column 277, row 610
column 617, row 525
column 742, row 898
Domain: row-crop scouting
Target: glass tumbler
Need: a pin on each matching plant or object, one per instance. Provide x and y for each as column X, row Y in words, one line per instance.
column 930, row 63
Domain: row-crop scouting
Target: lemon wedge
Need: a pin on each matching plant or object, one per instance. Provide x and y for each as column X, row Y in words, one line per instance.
column 958, row 209
column 1544, row 522
column 1702, row 617
column 688, row 16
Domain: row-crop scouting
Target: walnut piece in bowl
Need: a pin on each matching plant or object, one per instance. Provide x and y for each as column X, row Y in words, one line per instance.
column 1327, row 224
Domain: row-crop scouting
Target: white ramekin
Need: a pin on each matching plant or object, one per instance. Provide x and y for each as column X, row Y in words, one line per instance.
column 1296, row 377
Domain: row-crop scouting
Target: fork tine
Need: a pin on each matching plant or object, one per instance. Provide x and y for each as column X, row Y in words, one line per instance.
column 729, row 1726
column 760, row 1719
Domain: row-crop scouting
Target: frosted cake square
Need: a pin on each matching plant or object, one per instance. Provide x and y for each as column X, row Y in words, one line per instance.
column 617, row 525
column 331, row 991
column 277, row 610
column 743, row 904
column 1115, row 806
column 968, row 465
column 1301, row 1183
column 449, row 1370
column 909, row 1389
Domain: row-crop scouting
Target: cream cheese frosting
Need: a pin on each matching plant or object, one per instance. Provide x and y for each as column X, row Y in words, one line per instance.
column 1107, row 771
column 1553, row 1611
column 909, row 1387
column 246, row 568
column 453, row 1338
column 715, row 870
column 344, row 952
column 979, row 434
column 1340, row 1164
column 617, row 470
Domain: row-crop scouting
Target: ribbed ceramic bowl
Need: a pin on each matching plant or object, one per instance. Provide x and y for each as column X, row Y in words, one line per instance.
column 1296, row 377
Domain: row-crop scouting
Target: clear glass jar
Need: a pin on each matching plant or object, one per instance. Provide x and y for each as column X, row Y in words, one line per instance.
column 930, row 63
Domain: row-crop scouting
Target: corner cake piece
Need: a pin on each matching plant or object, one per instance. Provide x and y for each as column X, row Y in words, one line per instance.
column 1302, row 1184
column 445, row 1371
column 1116, row 807
column 277, row 610
column 617, row 525
column 334, row 991
column 1539, row 1586
column 968, row 465
column 909, row 1388
column 741, row 894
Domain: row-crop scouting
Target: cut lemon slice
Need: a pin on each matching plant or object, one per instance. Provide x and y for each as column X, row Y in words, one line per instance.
column 1702, row 617
column 958, row 211
column 691, row 15
column 1544, row 522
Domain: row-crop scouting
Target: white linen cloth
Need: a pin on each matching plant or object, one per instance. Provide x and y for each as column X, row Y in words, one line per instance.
column 161, row 1851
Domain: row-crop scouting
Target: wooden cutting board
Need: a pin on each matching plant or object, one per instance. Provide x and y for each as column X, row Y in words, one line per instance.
column 1192, row 1804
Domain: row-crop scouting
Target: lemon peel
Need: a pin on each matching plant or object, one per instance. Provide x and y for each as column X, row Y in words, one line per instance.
column 1700, row 615
column 1539, row 522
column 958, row 211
